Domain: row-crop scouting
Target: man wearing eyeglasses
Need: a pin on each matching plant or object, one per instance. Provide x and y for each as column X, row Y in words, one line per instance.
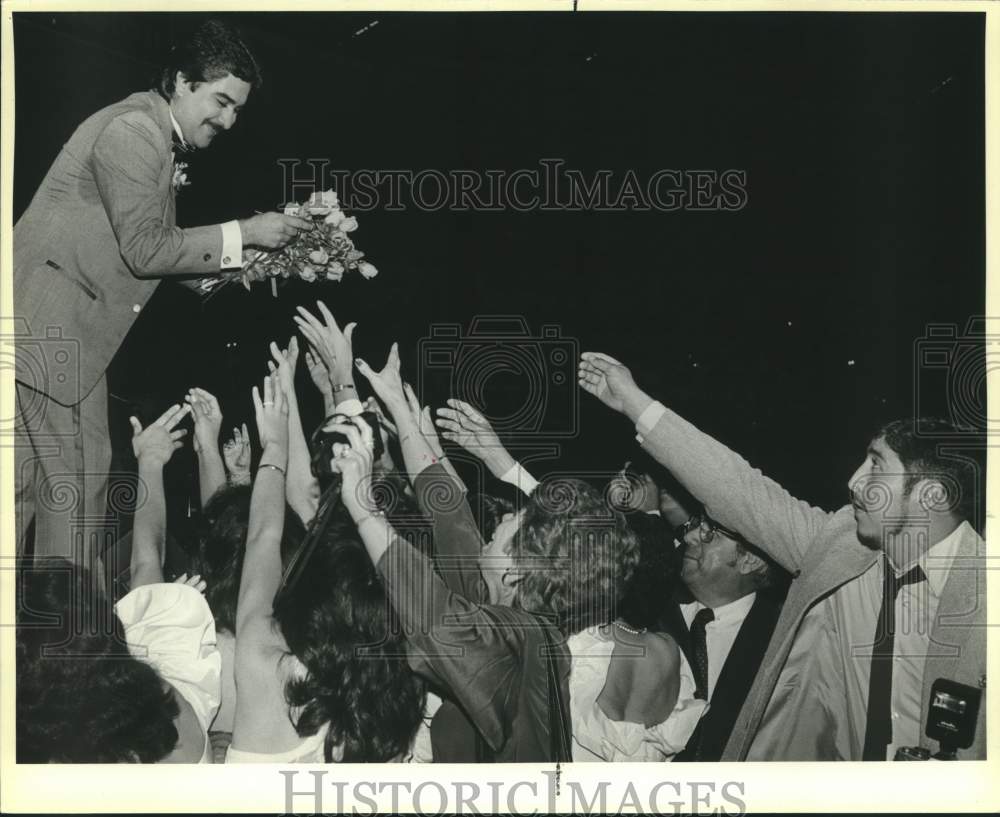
column 730, row 624
column 888, row 606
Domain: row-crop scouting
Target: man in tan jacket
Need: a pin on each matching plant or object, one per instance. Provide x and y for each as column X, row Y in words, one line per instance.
column 888, row 596
column 97, row 238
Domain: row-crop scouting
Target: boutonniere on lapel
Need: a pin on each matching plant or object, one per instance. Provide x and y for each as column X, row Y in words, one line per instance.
column 180, row 176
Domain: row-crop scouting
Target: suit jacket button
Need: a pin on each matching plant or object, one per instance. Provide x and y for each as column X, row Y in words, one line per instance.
column 207, row 256
column 136, row 307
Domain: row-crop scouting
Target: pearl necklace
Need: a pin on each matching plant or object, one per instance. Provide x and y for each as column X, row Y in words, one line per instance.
column 628, row 629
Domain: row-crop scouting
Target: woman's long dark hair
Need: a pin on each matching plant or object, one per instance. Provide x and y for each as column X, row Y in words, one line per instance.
column 81, row 696
column 339, row 624
column 222, row 538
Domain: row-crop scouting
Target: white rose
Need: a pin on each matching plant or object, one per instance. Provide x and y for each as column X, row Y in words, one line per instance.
column 367, row 270
column 307, row 274
column 335, row 272
column 319, row 257
column 291, row 209
column 328, row 198
column 349, row 225
column 336, row 216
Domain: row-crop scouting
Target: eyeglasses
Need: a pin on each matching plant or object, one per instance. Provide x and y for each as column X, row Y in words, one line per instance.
column 707, row 529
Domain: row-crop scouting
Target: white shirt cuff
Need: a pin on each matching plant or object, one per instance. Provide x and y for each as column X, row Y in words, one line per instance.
column 232, row 245
column 653, row 512
column 349, row 408
column 519, row 477
column 648, row 419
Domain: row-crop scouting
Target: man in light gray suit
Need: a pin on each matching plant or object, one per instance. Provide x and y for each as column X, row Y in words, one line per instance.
column 97, row 238
column 889, row 594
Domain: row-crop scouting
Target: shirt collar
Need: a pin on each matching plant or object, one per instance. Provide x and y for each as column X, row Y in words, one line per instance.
column 734, row 611
column 177, row 128
column 937, row 560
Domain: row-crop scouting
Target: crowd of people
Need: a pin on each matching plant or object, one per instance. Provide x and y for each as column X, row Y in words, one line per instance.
column 348, row 599
column 351, row 601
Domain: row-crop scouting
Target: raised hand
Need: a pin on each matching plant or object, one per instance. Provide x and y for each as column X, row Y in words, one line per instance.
column 468, row 428
column 354, row 462
column 271, row 412
column 271, row 231
column 611, row 383
column 207, row 419
column 388, row 384
column 318, row 372
column 237, row 455
column 196, row 581
column 283, row 366
column 154, row 445
column 333, row 346
column 422, row 420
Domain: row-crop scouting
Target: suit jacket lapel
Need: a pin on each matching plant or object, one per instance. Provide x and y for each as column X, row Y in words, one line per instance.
column 961, row 616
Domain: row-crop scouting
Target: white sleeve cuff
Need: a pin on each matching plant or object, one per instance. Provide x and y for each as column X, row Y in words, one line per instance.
column 349, row 408
column 648, row 419
column 653, row 512
column 519, row 477
column 232, row 245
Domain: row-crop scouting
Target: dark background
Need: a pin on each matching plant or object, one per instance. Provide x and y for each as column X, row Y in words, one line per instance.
column 861, row 136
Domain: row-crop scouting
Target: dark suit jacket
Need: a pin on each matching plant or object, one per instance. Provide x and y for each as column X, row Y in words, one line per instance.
column 99, row 231
column 490, row 662
column 737, row 676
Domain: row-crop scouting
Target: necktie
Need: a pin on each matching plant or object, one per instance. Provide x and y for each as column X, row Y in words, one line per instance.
column 179, row 145
column 878, row 733
column 699, row 651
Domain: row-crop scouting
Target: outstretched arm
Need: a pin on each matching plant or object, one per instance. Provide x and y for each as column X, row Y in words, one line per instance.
column 335, row 350
column 453, row 640
column 733, row 491
column 301, row 487
column 468, row 428
column 262, row 562
column 153, row 447
column 207, row 423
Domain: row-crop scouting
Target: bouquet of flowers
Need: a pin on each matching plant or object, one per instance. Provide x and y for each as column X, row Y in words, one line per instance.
column 324, row 253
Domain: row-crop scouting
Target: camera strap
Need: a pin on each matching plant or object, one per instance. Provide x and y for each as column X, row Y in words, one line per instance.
column 297, row 564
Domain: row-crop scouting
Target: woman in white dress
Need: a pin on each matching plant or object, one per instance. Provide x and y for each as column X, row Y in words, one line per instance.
column 561, row 560
column 321, row 674
column 144, row 690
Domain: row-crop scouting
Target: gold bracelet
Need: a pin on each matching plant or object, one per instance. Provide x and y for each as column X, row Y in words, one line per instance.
column 277, row 468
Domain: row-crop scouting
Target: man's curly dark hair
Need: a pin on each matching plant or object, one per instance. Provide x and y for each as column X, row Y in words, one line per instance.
column 81, row 697
column 213, row 50
column 340, row 625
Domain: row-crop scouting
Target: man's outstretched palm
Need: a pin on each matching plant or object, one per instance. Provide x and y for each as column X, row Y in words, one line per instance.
column 607, row 379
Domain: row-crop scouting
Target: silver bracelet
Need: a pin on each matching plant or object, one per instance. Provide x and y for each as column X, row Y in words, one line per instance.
column 369, row 517
column 341, row 386
column 277, row 468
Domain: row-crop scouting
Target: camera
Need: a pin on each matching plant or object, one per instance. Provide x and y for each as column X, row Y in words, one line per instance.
column 951, row 721
column 323, row 442
column 525, row 383
column 954, row 366
column 48, row 365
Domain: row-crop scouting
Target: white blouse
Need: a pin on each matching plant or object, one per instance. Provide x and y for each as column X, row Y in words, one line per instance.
column 170, row 628
column 598, row 738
